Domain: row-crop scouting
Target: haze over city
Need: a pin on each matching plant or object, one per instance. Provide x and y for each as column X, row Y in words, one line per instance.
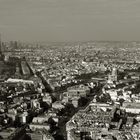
column 69, row 70
column 70, row 20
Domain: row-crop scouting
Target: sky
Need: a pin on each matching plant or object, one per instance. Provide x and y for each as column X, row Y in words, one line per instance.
column 70, row 20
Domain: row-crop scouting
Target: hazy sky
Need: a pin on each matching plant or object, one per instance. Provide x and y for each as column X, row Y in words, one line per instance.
column 70, row 20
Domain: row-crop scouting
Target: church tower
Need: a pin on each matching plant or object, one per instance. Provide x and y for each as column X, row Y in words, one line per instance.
column 113, row 76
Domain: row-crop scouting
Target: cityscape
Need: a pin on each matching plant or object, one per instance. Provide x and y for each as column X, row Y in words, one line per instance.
column 79, row 91
column 69, row 70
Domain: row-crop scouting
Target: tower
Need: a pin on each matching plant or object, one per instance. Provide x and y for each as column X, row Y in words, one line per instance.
column 0, row 45
column 114, row 72
column 113, row 76
column 1, row 54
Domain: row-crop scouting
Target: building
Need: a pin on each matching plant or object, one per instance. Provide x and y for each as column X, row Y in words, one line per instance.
column 79, row 91
column 40, row 123
column 57, row 105
column 131, row 107
column 37, row 126
column 23, row 117
column 35, row 104
column 5, row 134
column 5, row 67
column 40, row 119
column 13, row 133
column 75, row 101
column 47, row 98
column 40, row 135
column 113, row 76
column 88, row 123
column 12, row 113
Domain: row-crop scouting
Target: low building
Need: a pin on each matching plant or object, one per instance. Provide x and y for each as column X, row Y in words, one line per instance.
column 35, row 104
column 40, row 119
column 132, row 107
column 47, row 98
column 37, row 126
column 40, row 135
column 57, row 105
column 79, row 91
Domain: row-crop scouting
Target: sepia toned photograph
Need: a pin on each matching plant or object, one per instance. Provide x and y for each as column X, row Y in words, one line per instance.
column 69, row 69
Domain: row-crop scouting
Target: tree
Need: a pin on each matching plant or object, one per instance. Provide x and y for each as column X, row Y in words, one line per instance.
column 83, row 101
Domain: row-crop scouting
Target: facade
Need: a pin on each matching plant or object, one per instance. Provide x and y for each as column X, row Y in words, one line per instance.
column 37, row 126
column 79, row 91
column 40, row 135
column 131, row 107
